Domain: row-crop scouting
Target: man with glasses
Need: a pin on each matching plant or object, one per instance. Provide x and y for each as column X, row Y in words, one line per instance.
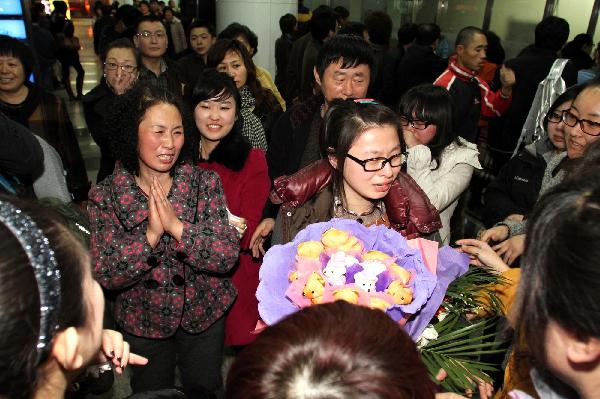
column 157, row 70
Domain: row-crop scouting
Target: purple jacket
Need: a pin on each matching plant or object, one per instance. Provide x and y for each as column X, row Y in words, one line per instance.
column 176, row 284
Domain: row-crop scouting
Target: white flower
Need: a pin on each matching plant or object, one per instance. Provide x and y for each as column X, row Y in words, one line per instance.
column 442, row 316
column 428, row 335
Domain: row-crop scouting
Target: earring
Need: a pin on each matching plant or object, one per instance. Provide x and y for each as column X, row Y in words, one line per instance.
column 104, row 74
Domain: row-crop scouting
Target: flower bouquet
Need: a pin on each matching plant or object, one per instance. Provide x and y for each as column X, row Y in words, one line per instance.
column 376, row 267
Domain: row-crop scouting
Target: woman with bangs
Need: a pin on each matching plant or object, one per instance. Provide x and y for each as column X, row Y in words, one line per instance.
column 162, row 242
column 440, row 161
column 359, row 178
column 243, row 171
column 259, row 107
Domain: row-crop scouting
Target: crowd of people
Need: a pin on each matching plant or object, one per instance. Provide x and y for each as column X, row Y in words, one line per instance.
column 207, row 161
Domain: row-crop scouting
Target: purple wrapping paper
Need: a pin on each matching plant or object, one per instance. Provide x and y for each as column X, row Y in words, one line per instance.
column 428, row 290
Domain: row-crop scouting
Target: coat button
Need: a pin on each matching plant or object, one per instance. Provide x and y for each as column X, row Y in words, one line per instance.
column 152, row 261
column 151, row 284
column 181, row 256
column 178, row 280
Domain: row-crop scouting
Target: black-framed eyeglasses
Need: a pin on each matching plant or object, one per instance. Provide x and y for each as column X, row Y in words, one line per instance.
column 555, row 116
column 159, row 34
column 414, row 123
column 111, row 66
column 587, row 126
column 375, row 164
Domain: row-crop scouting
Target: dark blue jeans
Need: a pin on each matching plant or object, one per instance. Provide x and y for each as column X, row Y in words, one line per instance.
column 198, row 356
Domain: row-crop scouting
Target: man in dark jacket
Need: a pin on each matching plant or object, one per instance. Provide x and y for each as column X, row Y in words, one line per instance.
column 304, row 52
column 283, row 48
column 156, row 69
column 420, row 64
column 531, row 66
column 202, row 36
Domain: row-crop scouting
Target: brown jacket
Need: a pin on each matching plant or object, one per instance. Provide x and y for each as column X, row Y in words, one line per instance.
column 307, row 198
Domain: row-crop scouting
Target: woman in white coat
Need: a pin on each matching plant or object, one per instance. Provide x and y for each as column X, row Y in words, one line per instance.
column 439, row 160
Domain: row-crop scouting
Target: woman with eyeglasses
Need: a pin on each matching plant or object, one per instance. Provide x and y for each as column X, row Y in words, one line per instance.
column 438, row 159
column 582, row 128
column 120, row 66
column 516, row 188
column 358, row 179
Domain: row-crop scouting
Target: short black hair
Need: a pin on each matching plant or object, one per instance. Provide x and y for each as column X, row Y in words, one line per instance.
column 11, row 47
column 466, row 34
column 235, row 29
column 341, row 12
column 233, row 149
column 322, row 22
column 353, row 28
column 287, row 23
column 551, row 33
column 427, row 34
column 349, row 49
column 431, row 104
column 379, row 25
column 203, row 23
column 407, row 33
column 147, row 18
column 494, row 52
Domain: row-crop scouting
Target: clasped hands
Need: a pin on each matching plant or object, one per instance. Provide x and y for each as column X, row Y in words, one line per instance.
column 161, row 216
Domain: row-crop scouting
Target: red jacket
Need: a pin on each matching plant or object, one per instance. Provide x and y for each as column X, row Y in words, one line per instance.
column 407, row 207
column 472, row 97
column 246, row 192
column 176, row 284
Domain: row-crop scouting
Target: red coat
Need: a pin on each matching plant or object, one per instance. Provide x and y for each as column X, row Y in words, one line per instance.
column 246, row 193
column 176, row 284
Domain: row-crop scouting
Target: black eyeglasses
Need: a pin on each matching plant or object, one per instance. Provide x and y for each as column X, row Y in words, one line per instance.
column 159, row 34
column 555, row 116
column 588, row 127
column 111, row 66
column 375, row 164
column 414, row 123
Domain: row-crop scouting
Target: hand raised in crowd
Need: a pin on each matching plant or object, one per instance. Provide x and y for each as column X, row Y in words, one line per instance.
column 115, row 350
column 263, row 230
column 507, row 80
column 482, row 255
column 497, row 234
column 511, row 249
column 409, row 138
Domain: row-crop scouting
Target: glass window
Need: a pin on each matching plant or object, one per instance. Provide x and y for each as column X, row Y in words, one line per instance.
column 514, row 21
column 453, row 15
column 577, row 17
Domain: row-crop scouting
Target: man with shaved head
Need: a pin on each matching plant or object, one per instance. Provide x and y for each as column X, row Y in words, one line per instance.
column 472, row 96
